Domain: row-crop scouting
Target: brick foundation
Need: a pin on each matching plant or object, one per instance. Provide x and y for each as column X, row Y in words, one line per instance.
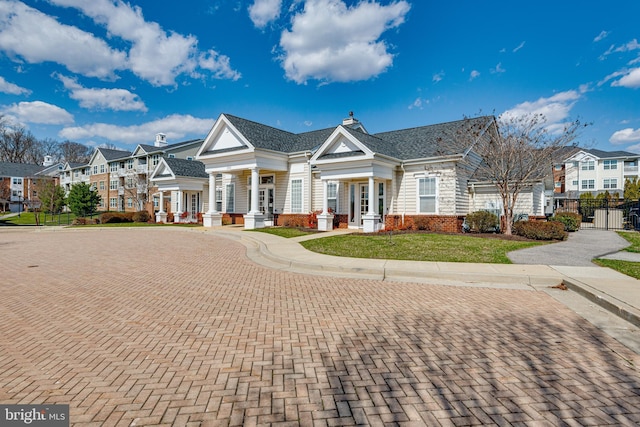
column 438, row 223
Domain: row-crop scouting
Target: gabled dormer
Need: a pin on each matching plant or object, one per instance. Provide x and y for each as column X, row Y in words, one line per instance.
column 223, row 137
column 341, row 144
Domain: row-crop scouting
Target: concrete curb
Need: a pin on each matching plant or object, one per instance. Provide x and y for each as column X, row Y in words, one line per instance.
column 609, row 303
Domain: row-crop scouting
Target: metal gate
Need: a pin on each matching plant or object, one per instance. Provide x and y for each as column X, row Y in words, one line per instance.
column 604, row 214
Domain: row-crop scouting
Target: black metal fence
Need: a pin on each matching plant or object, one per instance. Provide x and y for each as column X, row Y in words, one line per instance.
column 604, row 214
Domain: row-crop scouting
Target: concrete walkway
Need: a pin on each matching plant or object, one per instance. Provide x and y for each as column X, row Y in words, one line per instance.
column 559, row 263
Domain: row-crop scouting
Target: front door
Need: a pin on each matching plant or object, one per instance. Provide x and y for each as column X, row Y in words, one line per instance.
column 265, row 201
column 358, row 203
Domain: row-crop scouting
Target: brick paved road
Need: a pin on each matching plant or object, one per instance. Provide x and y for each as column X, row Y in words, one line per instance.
column 174, row 327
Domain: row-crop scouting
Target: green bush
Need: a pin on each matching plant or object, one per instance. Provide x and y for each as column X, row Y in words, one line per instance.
column 141, row 216
column 482, row 222
column 570, row 220
column 114, row 217
column 540, row 230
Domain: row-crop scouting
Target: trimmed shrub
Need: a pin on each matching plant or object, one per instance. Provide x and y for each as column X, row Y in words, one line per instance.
column 482, row 222
column 570, row 220
column 113, row 217
column 85, row 221
column 141, row 216
column 539, row 230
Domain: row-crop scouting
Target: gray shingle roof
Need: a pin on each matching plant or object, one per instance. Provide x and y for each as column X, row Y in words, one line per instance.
column 610, row 154
column 19, row 169
column 270, row 138
column 425, row 141
column 432, row 140
column 186, row 168
column 110, row 154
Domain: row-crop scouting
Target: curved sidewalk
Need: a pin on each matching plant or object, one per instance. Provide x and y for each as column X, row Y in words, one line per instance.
column 616, row 292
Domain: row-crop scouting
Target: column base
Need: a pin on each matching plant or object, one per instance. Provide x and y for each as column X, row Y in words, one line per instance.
column 161, row 217
column 253, row 221
column 212, row 219
column 371, row 223
column 325, row 222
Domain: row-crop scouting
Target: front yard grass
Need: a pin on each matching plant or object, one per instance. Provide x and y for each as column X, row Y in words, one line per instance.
column 633, row 238
column 630, row 268
column 420, row 247
column 29, row 218
column 286, row 232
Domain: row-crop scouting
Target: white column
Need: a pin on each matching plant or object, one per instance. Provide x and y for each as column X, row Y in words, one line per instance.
column 161, row 202
column 372, row 197
column 212, row 193
column 325, row 201
column 255, row 178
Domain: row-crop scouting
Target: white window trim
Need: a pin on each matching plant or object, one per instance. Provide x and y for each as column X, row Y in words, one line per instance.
column 337, row 197
column 227, row 208
column 437, row 193
column 301, row 195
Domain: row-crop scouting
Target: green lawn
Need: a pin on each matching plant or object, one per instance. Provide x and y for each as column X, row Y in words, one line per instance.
column 419, row 247
column 633, row 238
column 29, row 218
column 286, row 232
column 630, row 268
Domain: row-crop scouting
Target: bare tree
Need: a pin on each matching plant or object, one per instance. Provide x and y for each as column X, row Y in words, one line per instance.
column 75, row 152
column 18, row 145
column 519, row 152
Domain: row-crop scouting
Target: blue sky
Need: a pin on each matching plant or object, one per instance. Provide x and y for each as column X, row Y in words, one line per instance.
column 113, row 72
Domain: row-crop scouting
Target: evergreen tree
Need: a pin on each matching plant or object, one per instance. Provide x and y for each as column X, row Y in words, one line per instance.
column 82, row 200
column 632, row 188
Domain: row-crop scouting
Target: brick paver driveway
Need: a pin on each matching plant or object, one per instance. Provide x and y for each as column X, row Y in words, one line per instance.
column 176, row 327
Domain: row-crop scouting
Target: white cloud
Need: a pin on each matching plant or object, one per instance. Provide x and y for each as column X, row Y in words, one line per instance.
column 331, row 42
column 603, row 34
column 219, row 65
column 262, row 12
column 37, row 112
column 630, row 79
column 627, row 47
column 625, row 136
column 155, row 55
column 474, row 74
column 517, row 48
column 498, row 69
column 102, row 99
column 438, row 77
column 555, row 109
column 35, row 37
column 12, row 89
column 175, row 126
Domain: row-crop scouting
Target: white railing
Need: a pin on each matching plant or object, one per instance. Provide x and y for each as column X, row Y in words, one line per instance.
column 631, row 169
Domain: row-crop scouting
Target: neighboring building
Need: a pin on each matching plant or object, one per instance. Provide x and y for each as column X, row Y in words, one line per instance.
column 597, row 171
column 121, row 178
column 258, row 175
column 19, row 183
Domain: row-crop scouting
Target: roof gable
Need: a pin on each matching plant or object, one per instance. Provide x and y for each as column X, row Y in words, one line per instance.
column 342, row 143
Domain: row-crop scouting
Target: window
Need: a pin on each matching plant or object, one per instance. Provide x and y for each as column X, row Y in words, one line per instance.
column 231, row 197
column 101, row 185
column 155, row 159
column 129, row 202
column 574, row 182
column 189, row 157
column 95, row 170
column 589, row 165
column 101, row 204
column 130, row 164
column 113, row 202
column 219, row 199
column 611, row 183
column 558, row 184
column 267, row 179
column 129, row 183
column 558, row 167
column 610, row 164
column 172, row 156
column 427, row 195
column 76, row 173
column 156, row 201
column 588, row 184
column 102, row 168
column 381, row 199
column 17, row 181
column 296, row 195
column 113, row 167
column 113, row 184
column 332, row 196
